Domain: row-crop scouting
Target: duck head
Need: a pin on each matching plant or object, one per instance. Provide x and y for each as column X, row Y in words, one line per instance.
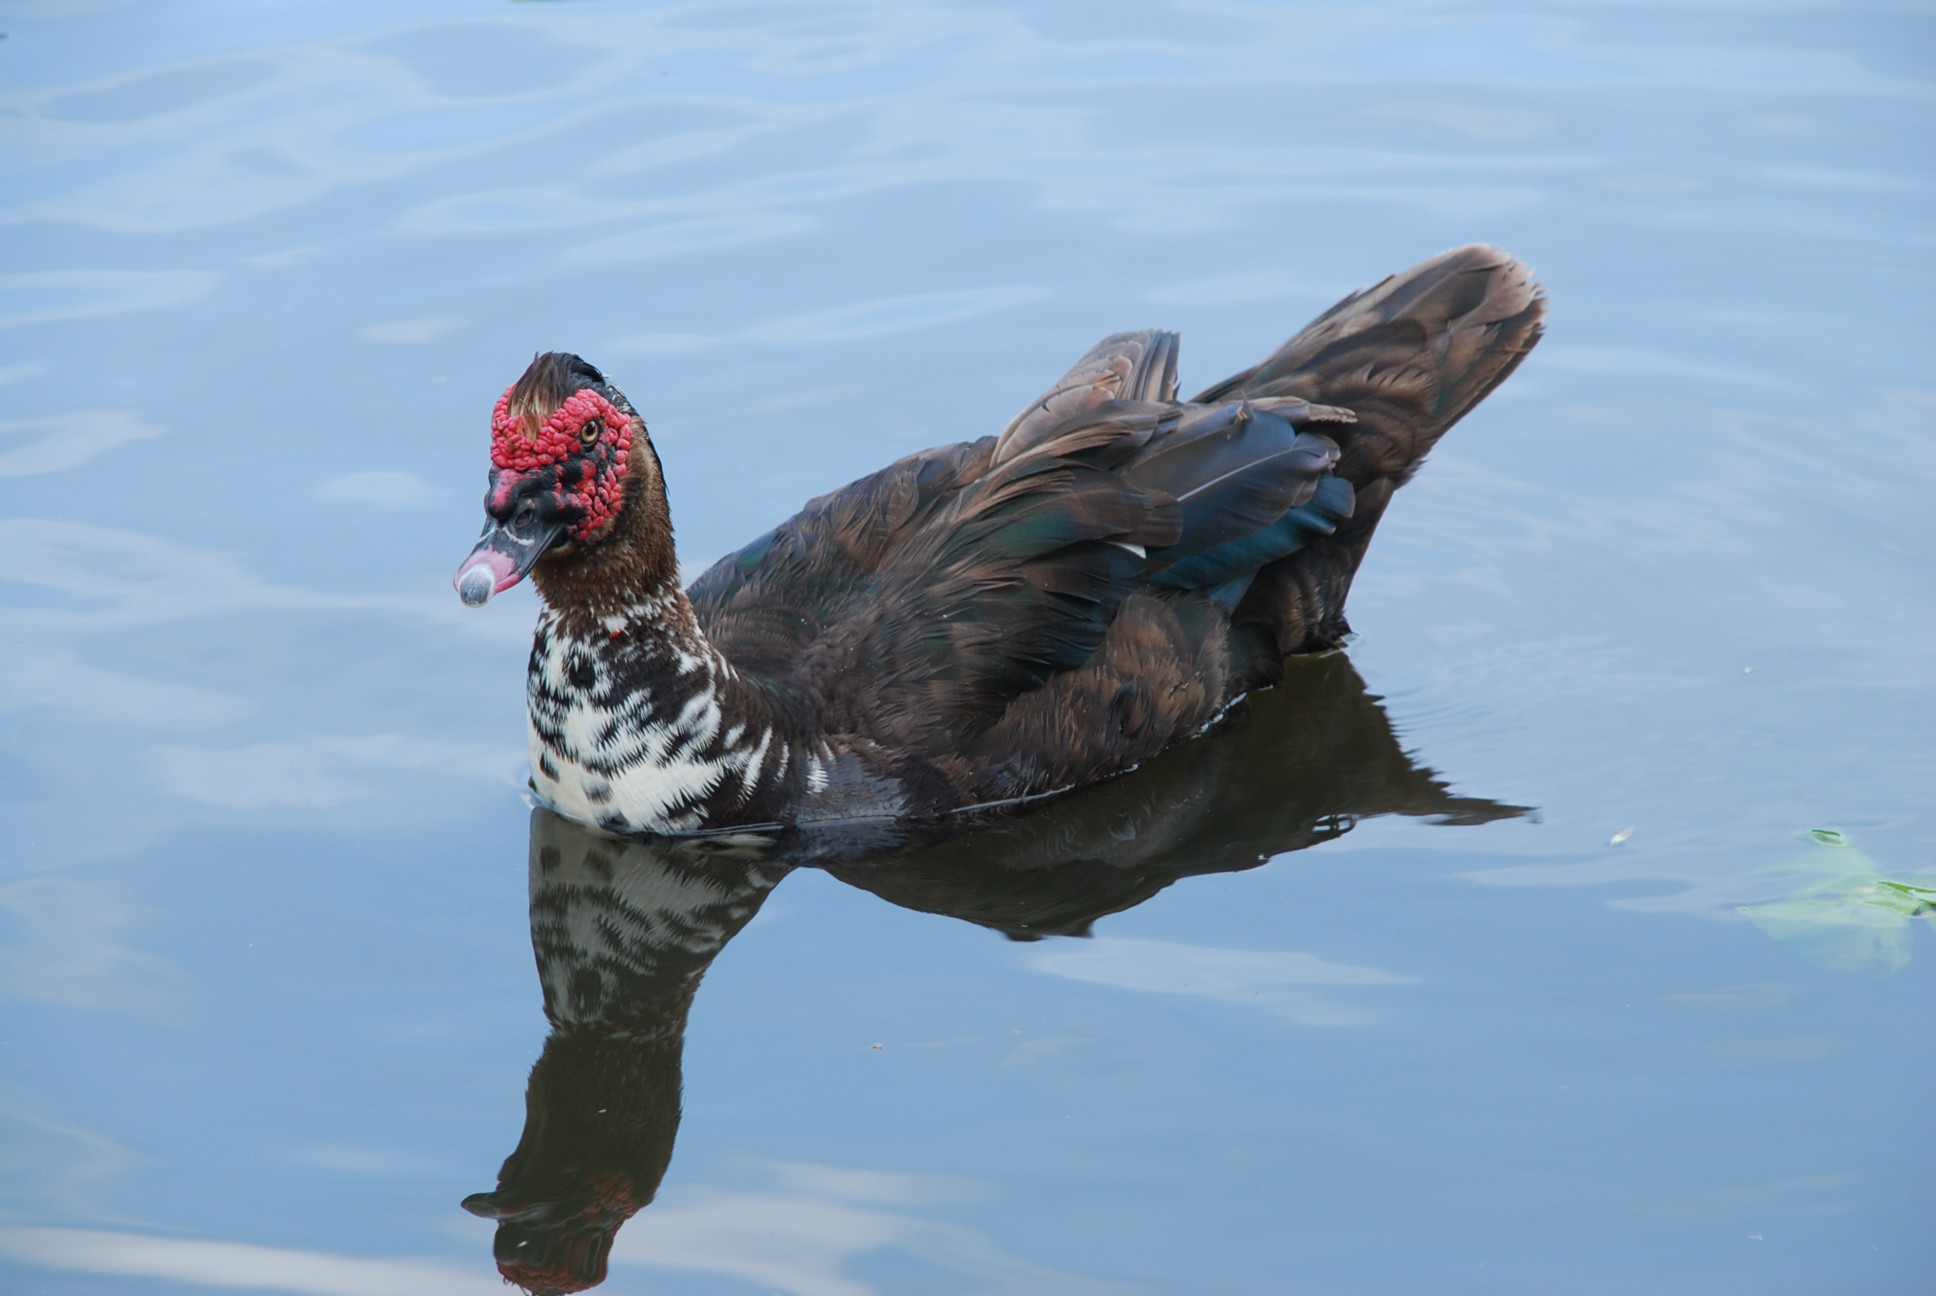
column 570, row 461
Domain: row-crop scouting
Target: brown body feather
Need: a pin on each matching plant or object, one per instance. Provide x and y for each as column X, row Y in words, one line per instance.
column 1383, row 374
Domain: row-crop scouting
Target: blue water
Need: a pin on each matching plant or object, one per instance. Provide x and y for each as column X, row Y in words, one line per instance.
column 266, row 949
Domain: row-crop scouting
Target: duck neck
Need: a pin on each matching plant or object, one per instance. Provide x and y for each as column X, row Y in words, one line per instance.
column 639, row 725
column 629, row 569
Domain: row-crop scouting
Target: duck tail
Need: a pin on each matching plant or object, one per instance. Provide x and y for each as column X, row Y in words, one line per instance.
column 1409, row 357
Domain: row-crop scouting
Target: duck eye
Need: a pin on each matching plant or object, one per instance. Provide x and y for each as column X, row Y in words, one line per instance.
column 591, row 431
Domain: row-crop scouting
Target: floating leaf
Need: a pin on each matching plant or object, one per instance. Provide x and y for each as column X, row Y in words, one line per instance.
column 1842, row 911
column 1918, row 900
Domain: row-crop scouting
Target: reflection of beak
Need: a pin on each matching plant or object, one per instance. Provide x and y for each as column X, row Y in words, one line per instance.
column 485, row 1206
column 555, row 1246
column 504, row 554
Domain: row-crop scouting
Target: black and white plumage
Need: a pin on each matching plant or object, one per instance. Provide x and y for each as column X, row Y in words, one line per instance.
column 623, row 932
column 980, row 622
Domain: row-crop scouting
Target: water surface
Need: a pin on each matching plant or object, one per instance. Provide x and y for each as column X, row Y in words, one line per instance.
column 266, row 915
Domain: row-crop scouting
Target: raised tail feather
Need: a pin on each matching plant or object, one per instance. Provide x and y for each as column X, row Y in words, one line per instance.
column 1409, row 356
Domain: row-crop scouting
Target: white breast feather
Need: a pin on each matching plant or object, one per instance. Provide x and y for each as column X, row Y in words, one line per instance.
column 647, row 781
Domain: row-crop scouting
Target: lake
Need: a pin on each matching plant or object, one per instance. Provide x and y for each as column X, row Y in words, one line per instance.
column 1570, row 931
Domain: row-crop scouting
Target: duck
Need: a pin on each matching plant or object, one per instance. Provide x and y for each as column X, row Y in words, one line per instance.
column 980, row 624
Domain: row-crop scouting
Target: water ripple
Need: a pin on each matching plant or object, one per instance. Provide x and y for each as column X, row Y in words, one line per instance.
column 69, row 440
column 42, row 297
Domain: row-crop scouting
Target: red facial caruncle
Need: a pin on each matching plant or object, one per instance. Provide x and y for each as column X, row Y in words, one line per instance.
column 586, row 440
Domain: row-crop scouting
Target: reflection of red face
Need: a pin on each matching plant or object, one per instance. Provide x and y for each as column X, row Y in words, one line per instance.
column 558, row 1245
column 577, row 455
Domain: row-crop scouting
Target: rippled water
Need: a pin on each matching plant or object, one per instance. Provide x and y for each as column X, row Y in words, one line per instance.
column 269, row 889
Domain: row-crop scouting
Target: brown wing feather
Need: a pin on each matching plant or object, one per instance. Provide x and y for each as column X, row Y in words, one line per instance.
column 1014, row 580
column 1409, row 357
column 765, row 606
column 1136, row 367
column 982, row 608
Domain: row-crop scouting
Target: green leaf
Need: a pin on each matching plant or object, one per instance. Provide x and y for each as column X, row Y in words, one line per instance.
column 1841, row 911
column 1921, row 900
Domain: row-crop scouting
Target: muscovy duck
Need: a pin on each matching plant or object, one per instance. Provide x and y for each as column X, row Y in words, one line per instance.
column 979, row 623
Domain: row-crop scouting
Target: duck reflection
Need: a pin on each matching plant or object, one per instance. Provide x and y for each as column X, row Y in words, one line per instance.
column 624, row 928
column 623, row 931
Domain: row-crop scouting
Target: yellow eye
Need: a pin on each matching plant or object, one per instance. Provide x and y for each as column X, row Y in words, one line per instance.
column 590, row 432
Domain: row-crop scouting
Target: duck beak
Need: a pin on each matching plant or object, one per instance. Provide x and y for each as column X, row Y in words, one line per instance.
column 501, row 559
